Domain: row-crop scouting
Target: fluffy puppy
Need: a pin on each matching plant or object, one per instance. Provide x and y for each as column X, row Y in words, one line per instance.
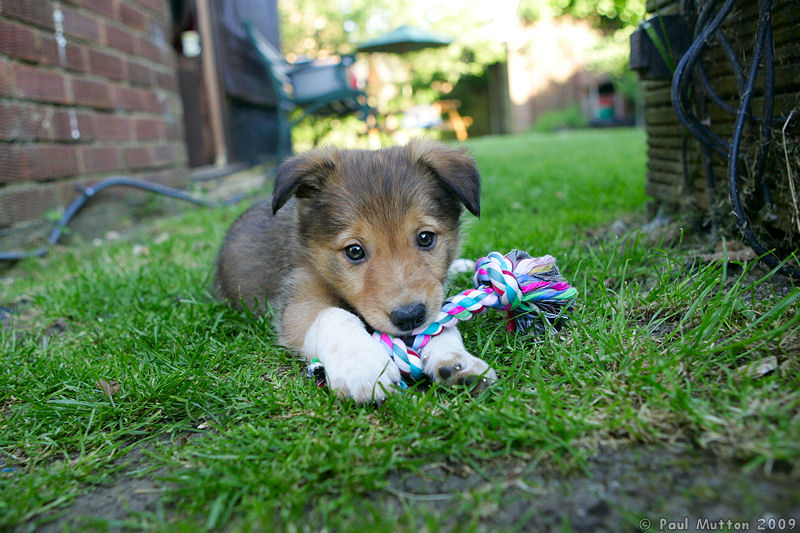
column 355, row 241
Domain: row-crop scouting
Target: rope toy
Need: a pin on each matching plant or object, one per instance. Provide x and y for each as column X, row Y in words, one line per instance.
column 529, row 289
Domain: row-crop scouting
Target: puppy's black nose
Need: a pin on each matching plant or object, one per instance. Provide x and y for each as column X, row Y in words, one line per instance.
column 407, row 317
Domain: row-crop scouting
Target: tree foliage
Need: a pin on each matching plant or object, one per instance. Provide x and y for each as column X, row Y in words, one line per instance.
column 616, row 19
column 315, row 28
column 606, row 15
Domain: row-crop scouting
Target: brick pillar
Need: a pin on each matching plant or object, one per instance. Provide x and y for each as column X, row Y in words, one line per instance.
column 88, row 88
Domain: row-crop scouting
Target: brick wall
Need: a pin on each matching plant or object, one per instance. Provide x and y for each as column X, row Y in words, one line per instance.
column 88, row 88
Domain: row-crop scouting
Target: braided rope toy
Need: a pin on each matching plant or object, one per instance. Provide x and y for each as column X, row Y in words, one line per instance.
column 529, row 289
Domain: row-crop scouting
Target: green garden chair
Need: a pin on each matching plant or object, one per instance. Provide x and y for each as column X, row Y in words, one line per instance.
column 316, row 89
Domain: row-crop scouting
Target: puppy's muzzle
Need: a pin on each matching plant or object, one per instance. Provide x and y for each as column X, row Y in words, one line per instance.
column 409, row 316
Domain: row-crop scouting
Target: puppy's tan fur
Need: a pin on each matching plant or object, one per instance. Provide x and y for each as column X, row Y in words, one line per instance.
column 290, row 256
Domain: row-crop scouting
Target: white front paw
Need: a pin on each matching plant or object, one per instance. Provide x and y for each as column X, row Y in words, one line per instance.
column 356, row 365
column 363, row 373
column 445, row 360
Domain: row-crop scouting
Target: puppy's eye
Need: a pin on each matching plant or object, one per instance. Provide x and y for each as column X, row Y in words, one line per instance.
column 426, row 239
column 355, row 253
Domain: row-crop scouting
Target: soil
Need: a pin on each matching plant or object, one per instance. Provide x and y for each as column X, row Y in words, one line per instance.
column 665, row 230
column 619, row 489
column 108, row 506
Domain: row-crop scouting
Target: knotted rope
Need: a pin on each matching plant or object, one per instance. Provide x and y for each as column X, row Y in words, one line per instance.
column 530, row 289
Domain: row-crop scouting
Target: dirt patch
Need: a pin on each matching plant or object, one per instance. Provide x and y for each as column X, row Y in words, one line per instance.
column 23, row 319
column 702, row 244
column 110, row 506
column 618, row 490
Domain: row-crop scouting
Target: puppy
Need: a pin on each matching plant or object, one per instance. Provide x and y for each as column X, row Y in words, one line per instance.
column 356, row 241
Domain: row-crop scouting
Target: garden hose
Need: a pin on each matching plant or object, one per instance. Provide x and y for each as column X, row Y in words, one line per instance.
column 89, row 192
column 706, row 27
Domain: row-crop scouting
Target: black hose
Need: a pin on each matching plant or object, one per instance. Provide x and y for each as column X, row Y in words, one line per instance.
column 765, row 139
column 88, row 192
column 762, row 39
column 680, row 82
column 733, row 59
column 690, row 65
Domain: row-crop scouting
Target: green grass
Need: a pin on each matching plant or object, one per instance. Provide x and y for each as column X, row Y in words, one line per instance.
column 226, row 418
column 559, row 119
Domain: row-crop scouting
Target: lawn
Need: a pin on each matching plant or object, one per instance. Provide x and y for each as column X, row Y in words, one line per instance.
column 123, row 380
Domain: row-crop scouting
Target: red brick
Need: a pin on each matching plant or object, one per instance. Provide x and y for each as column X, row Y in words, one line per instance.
column 169, row 58
column 133, row 16
column 100, row 159
column 149, row 50
column 127, row 99
column 108, row 127
column 137, row 157
column 173, row 129
column 62, row 127
column 17, row 40
column 158, row 6
column 92, row 93
column 164, row 154
column 180, row 158
column 81, row 25
column 45, row 161
column 153, row 104
column 109, row 8
column 149, row 129
column 9, row 128
column 37, row 12
column 76, row 57
column 48, row 51
column 107, row 65
column 121, row 39
column 69, row 122
column 139, row 74
column 12, row 167
column 21, row 122
column 167, row 80
column 18, row 204
column 6, row 78
column 86, row 126
column 35, row 83
column 74, row 54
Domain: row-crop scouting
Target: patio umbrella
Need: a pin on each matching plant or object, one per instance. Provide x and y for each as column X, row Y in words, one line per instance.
column 404, row 39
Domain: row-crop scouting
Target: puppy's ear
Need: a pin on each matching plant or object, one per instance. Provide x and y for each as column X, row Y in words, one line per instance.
column 454, row 167
column 301, row 176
